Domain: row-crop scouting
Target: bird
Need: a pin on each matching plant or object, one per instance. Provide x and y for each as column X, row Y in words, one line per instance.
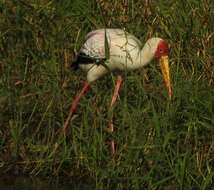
column 111, row 49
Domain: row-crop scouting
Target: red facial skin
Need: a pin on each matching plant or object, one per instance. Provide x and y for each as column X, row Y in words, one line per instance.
column 162, row 49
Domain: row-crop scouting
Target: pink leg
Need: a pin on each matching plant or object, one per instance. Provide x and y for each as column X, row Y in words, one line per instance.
column 74, row 105
column 119, row 80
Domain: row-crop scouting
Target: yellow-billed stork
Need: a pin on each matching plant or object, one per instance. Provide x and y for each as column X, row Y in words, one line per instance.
column 124, row 52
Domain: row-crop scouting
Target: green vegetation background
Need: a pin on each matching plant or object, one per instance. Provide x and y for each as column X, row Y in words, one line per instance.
column 158, row 145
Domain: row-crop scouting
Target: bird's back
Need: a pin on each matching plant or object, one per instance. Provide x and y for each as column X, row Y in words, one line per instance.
column 122, row 46
column 95, row 42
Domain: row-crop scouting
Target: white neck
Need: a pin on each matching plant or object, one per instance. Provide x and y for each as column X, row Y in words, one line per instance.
column 147, row 53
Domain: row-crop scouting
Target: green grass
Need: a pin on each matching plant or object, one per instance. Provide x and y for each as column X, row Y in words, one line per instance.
column 159, row 145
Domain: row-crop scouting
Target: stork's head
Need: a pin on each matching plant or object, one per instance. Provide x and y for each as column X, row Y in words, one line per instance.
column 162, row 49
column 161, row 52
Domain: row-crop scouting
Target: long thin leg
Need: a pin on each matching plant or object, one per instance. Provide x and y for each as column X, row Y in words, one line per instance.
column 119, row 80
column 74, row 105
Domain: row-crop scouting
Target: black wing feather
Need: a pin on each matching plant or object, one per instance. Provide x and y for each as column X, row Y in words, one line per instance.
column 82, row 58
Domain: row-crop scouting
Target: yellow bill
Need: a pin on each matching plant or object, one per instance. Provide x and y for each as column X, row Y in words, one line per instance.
column 164, row 65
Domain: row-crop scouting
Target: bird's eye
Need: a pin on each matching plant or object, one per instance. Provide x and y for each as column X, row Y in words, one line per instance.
column 161, row 50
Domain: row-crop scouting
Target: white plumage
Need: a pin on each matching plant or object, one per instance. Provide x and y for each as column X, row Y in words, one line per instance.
column 124, row 52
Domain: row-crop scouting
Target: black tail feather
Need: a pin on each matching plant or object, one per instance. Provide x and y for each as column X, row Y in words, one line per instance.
column 75, row 65
column 82, row 58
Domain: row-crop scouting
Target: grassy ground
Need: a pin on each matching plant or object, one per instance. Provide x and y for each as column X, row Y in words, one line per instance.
column 158, row 145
